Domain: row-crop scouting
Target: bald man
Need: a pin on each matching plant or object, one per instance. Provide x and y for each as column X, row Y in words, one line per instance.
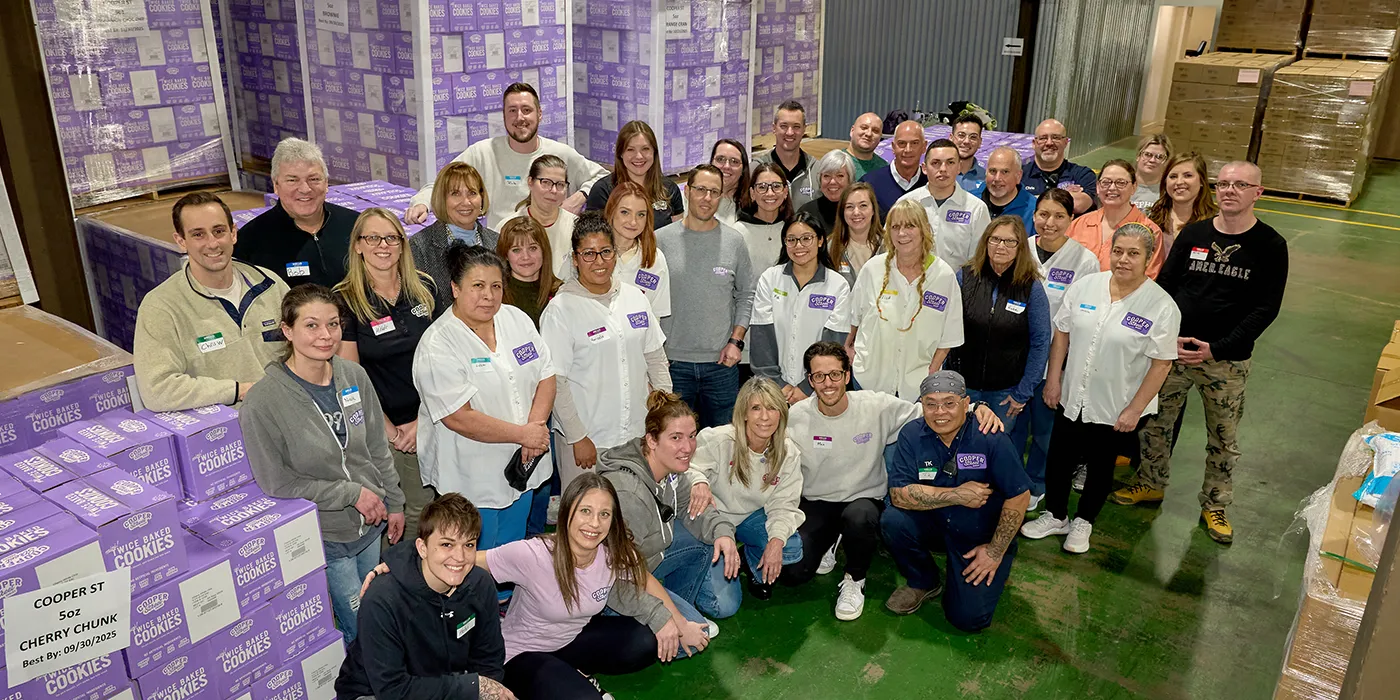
column 865, row 136
column 903, row 175
column 1051, row 169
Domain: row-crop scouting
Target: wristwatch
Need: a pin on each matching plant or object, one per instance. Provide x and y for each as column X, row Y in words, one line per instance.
column 736, row 343
column 972, row 408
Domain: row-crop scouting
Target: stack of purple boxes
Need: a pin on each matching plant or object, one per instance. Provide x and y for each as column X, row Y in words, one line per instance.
column 358, row 196
column 789, row 59
column 367, row 79
column 133, row 91
column 229, row 596
column 703, row 53
column 36, row 417
column 268, row 87
column 122, row 267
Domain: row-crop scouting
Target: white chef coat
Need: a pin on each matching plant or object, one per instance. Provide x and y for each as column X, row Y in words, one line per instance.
column 957, row 225
column 453, row 368
column 897, row 362
column 1112, row 345
column 600, row 350
column 654, row 281
column 561, row 242
column 798, row 315
column 1072, row 262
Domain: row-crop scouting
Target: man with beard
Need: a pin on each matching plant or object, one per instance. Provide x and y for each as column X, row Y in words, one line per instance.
column 865, row 136
column 504, row 162
column 1051, row 169
column 1004, row 194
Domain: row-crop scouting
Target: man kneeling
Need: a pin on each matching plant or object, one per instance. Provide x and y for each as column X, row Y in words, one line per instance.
column 431, row 627
column 956, row 490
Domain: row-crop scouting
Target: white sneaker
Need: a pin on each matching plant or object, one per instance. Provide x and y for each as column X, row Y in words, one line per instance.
column 1045, row 526
column 828, row 562
column 552, row 511
column 1035, row 502
column 850, row 602
column 1080, row 474
column 594, row 682
column 1078, row 540
column 713, row 630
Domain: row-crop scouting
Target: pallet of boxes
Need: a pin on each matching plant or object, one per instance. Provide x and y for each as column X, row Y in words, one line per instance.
column 228, row 592
column 1216, row 102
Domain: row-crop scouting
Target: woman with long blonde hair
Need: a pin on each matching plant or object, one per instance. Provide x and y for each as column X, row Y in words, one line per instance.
column 906, row 308
column 752, row 473
column 1185, row 197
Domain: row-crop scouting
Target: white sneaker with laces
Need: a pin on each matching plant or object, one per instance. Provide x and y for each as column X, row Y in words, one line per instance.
column 1035, row 502
column 1078, row 540
column 828, row 562
column 850, row 602
column 594, row 682
column 1045, row 526
column 713, row 630
column 1080, row 474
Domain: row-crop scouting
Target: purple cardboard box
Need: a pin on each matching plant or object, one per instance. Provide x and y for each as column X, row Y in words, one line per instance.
column 17, row 520
column 136, row 523
column 187, row 676
column 193, row 513
column 9, row 428
column 212, row 524
column 170, row 618
column 461, row 17
column 36, row 471
column 303, row 616
column 135, row 445
column 60, row 557
column 101, row 677
column 42, row 414
column 243, row 653
column 311, row 675
column 272, row 550
column 208, row 447
column 74, row 457
column 488, row 15
column 42, row 522
column 15, row 496
column 172, row 13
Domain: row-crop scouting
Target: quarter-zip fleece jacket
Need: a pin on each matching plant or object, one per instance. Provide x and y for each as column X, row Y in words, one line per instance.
column 294, row 454
column 418, row 644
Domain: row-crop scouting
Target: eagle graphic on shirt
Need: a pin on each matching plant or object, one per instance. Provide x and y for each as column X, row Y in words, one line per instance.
column 1222, row 255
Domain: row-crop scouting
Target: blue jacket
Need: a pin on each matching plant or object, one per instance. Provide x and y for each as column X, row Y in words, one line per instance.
column 1023, row 206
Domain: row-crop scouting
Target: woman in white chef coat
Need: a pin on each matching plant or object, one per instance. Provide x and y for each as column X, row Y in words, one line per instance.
column 1115, row 340
column 607, row 347
column 639, row 262
column 906, row 308
column 797, row 302
column 487, row 386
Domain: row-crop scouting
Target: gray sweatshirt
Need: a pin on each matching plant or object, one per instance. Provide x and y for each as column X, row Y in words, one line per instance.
column 294, row 454
column 640, row 496
column 712, row 284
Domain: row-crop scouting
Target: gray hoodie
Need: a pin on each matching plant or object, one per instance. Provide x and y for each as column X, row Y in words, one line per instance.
column 294, row 454
column 640, row 496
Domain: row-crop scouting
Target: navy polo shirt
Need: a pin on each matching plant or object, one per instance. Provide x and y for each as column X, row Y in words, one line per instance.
column 919, row 458
column 1036, row 181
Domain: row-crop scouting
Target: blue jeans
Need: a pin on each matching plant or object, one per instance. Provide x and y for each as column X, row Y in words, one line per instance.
column 709, row 387
column 720, row 597
column 1038, row 421
column 910, row 535
column 683, row 568
column 994, row 401
column 539, row 505
column 347, row 565
column 502, row 525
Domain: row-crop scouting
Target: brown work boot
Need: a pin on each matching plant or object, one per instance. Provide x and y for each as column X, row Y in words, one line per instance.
column 906, row 600
column 1135, row 494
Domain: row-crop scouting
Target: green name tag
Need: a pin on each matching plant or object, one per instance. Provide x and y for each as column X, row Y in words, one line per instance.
column 210, row 343
column 466, row 626
column 779, row 292
column 927, row 474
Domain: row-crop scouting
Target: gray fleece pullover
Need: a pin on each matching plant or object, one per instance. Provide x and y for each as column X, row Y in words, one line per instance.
column 712, row 284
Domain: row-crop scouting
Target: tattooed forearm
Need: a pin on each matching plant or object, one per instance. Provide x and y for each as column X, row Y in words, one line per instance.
column 1007, row 527
column 920, row 497
column 491, row 689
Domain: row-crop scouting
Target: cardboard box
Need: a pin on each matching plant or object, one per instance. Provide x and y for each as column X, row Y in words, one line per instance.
column 215, row 521
column 1271, row 25
column 303, row 616
column 310, row 676
column 35, row 471
column 273, row 550
column 194, row 512
column 138, row 447
column 188, row 676
column 1354, row 27
column 60, row 557
column 136, row 524
column 1383, row 405
column 209, row 445
column 101, row 677
column 243, row 652
column 77, row 459
column 32, row 524
column 169, row 619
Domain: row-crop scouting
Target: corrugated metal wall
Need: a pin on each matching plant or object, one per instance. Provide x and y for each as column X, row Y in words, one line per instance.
column 893, row 54
column 1090, row 60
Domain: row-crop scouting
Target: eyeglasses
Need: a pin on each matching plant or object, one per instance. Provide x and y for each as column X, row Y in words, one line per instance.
column 375, row 240
column 1056, row 138
column 556, row 185
column 1225, row 186
column 766, row 187
column 943, row 405
column 1153, row 157
column 591, row 255
column 725, row 160
column 835, row 376
column 966, row 135
column 1114, row 184
column 800, row 241
column 705, row 192
column 1003, row 242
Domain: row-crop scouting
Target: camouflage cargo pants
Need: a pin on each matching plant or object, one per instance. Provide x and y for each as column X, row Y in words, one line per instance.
column 1221, row 383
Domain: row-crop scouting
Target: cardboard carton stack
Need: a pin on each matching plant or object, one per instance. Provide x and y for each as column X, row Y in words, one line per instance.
column 789, row 59
column 266, row 75
column 1216, row 102
column 1383, row 406
column 1320, row 126
column 1262, row 25
column 1354, row 28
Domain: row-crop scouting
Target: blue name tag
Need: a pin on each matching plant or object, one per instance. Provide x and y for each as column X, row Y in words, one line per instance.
column 298, row 269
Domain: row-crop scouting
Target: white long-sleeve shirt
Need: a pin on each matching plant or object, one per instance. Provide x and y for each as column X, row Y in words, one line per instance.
column 779, row 500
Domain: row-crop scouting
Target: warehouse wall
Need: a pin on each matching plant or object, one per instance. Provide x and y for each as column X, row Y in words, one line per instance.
column 896, row 54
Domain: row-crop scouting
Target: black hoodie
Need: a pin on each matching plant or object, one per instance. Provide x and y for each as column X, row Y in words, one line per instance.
column 417, row 644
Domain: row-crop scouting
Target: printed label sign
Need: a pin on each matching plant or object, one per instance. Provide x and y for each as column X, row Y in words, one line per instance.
column 64, row 625
column 937, row 302
column 1137, row 323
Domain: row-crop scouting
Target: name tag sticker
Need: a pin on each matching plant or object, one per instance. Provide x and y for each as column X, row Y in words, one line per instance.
column 779, row 292
column 513, row 179
column 210, row 343
column 298, row 269
column 382, row 326
column 955, row 216
column 1137, row 323
column 525, row 354
column 350, row 396
column 937, row 302
column 1055, row 286
column 928, row 473
column 639, row 320
column 972, row 461
column 1087, row 308
column 598, row 335
column 821, row 442
column 1199, row 253
column 1015, row 307
column 647, row 280
column 481, row 364
column 466, row 626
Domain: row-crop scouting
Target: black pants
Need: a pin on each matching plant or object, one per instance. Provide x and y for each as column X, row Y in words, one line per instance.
column 1074, row 442
column 856, row 522
column 608, row 644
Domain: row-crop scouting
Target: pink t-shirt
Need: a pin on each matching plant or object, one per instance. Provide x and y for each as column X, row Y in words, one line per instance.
column 537, row 619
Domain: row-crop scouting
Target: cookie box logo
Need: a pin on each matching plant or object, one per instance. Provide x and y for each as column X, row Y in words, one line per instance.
column 175, row 666
column 279, row 680
column 51, row 395
column 73, row 456
column 153, row 604
column 138, row 521
column 252, row 547
column 297, row 592
column 260, row 523
column 230, row 500
column 132, row 426
column 10, row 586
column 127, row 487
column 972, row 461
column 241, row 628
column 825, row 302
column 142, row 452
column 207, row 410
column 216, row 434
column 114, row 376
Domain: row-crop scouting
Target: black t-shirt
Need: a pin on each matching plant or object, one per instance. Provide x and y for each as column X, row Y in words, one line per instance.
column 386, row 347
column 1228, row 287
column 272, row 240
column 662, row 210
column 1042, row 253
column 994, row 210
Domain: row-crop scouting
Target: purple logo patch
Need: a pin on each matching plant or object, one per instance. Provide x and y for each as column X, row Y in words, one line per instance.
column 958, row 217
column 821, row 301
column 1135, row 322
column 357, row 417
column 862, row 438
column 639, row 319
column 646, row 280
column 525, row 353
column 972, row 461
column 1061, row 276
column 937, row 302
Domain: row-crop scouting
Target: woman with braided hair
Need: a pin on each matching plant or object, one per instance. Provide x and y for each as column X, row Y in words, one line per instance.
column 907, row 308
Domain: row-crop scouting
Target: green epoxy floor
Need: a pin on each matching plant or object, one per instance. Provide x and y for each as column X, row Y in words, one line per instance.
column 1156, row 609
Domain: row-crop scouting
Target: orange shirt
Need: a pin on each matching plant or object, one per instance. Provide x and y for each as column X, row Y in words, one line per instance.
column 1087, row 231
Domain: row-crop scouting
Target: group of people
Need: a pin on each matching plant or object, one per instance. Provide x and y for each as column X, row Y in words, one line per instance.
column 787, row 361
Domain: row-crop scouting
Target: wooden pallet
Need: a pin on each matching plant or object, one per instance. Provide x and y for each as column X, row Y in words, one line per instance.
column 1310, row 197
column 169, row 189
column 1279, row 52
column 1309, row 53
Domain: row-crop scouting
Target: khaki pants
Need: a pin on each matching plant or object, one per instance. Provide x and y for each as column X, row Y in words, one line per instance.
column 1221, row 384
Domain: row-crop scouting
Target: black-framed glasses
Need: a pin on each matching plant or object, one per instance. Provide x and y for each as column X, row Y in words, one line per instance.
column 556, row 185
column 374, row 240
column 834, row 376
column 800, row 241
column 766, row 187
column 591, row 255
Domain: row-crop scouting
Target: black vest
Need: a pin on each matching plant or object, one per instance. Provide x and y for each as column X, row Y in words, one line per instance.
column 996, row 342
